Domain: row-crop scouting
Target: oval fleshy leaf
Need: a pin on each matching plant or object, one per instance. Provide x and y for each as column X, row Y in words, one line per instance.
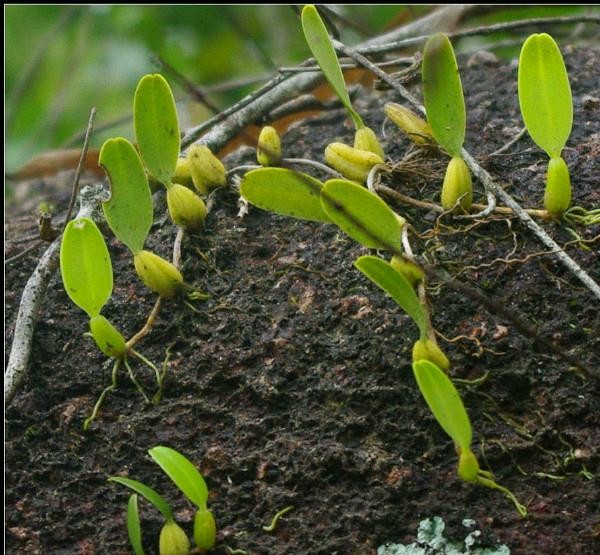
column 545, row 93
column 443, row 94
column 183, row 474
column 129, row 211
column 151, row 495
column 444, row 401
column 384, row 275
column 285, row 192
column 156, row 126
column 134, row 529
column 362, row 214
column 322, row 49
column 85, row 266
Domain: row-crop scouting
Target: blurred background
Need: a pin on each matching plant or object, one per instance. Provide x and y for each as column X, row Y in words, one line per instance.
column 62, row 60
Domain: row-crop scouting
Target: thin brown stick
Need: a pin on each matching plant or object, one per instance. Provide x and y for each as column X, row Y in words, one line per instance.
column 348, row 63
column 522, row 326
column 383, row 46
column 196, row 92
column 505, row 147
column 75, row 186
column 237, row 83
column 542, row 214
column 404, row 199
column 23, row 253
column 80, row 135
column 263, row 54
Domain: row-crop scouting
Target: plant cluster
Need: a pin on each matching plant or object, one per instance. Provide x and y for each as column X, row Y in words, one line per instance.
column 365, row 217
column 88, row 280
column 343, row 201
column 547, row 110
column 85, row 261
column 173, row 540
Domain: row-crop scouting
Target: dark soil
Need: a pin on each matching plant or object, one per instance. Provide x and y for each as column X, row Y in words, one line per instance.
column 293, row 384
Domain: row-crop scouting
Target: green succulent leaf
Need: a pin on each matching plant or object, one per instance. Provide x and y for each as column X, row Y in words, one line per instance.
column 183, row 474
column 444, row 401
column 322, row 49
column 285, row 192
column 85, row 266
column 156, row 126
column 396, row 286
column 129, row 211
column 443, row 95
column 355, row 209
column 545, row 93
column 134, row 528
column 151, row 495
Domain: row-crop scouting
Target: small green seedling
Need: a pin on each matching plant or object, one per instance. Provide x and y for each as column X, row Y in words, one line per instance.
column 445, row 107
column 173, row 540
column 129, row 214
column 547, row 110
column 88, row 279
column 322, row 49
column 447, row 407
column 191, row 483
column 157, row 134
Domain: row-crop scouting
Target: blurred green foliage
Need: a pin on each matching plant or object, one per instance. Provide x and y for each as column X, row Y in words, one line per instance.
column 62, row 60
